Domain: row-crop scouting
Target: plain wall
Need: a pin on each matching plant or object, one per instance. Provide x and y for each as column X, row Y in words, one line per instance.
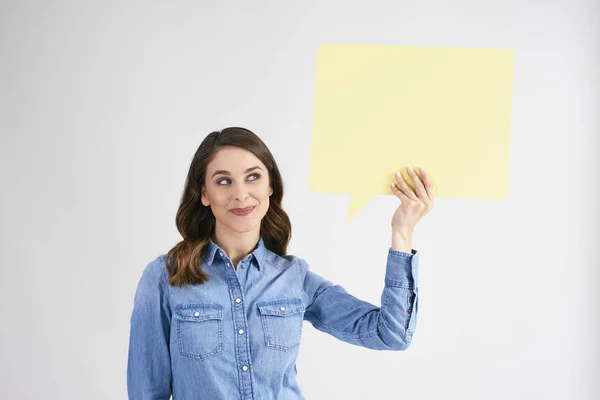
column 103, row 104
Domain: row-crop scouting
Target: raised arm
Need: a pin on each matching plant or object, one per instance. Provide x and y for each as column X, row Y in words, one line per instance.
column 390, row 327
column 333, row 310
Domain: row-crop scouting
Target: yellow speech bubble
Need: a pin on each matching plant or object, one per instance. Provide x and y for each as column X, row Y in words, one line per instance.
column 380, row 108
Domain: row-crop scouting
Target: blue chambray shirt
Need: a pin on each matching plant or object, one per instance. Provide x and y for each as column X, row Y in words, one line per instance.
column 237, row 336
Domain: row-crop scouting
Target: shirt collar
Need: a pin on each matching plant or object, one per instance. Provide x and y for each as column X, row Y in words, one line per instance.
column 212, row 249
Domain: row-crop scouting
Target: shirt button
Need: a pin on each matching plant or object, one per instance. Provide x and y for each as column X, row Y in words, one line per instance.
column 243, row 266
column 409, row 310
column 196, row 314
column 221, row 253
column 241, row 331
column 238, row 300
column 244, row 368
column 282, row 308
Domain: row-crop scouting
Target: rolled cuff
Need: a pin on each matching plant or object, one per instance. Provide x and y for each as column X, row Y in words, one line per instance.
column 402, row 269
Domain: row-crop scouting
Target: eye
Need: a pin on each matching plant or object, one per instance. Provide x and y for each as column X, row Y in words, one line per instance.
column 257, row 175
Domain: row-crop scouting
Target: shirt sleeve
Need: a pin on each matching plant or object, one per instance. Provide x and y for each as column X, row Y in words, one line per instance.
column 333, row 310
column 149, row 363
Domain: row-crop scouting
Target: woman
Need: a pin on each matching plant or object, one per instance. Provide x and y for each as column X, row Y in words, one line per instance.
column 223, row 318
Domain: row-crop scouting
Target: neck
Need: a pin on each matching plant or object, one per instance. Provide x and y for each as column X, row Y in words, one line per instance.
column 237, row 245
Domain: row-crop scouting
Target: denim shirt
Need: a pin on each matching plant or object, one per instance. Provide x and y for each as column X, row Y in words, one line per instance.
column 237, row 336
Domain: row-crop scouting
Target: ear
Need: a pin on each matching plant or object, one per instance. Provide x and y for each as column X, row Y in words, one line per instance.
column 271, row 192
column 204, row 199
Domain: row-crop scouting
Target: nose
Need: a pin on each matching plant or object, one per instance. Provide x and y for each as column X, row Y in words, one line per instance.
column 240, row 192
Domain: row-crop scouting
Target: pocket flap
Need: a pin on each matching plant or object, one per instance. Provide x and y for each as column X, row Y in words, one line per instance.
column 280, row 307
column 198, row 312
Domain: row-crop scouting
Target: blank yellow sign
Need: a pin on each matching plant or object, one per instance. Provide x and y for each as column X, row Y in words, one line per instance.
column 381, row 108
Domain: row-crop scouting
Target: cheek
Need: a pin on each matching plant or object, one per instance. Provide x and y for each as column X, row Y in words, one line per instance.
column 264, row 194
column 265, row 199
column 217, row 200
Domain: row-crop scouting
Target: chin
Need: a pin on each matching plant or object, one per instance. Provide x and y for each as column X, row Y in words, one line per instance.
column 243, row 227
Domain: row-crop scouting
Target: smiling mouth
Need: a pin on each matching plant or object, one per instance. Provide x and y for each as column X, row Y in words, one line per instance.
column 243, row 211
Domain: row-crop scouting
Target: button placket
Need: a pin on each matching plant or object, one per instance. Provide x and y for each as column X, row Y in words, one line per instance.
column 241, row 345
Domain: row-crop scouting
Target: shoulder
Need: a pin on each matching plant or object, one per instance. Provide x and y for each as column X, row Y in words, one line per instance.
column 158, row 263
column 288, row 261
column 155, row 271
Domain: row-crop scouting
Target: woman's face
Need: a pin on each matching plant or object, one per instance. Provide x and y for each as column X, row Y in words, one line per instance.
column 236, row 178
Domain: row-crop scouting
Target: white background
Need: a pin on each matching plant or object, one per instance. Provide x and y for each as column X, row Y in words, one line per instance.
column 102, row 106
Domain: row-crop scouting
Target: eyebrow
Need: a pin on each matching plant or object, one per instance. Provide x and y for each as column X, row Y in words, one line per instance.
column 223, row 172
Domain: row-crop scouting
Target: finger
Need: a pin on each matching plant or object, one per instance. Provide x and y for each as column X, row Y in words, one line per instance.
column 405, row 188
column 423, row 196
column 428, row 186
column 399, row 193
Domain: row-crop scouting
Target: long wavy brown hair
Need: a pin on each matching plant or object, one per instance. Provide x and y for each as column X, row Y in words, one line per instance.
column 196, row 222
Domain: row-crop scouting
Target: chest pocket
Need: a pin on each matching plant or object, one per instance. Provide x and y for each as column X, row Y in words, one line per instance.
column 199, row 329
column 282, row 322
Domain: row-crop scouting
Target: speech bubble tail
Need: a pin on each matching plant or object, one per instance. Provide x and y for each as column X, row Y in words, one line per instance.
column 357, row 201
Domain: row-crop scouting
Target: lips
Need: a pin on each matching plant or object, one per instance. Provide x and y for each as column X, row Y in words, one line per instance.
column 243, row 211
